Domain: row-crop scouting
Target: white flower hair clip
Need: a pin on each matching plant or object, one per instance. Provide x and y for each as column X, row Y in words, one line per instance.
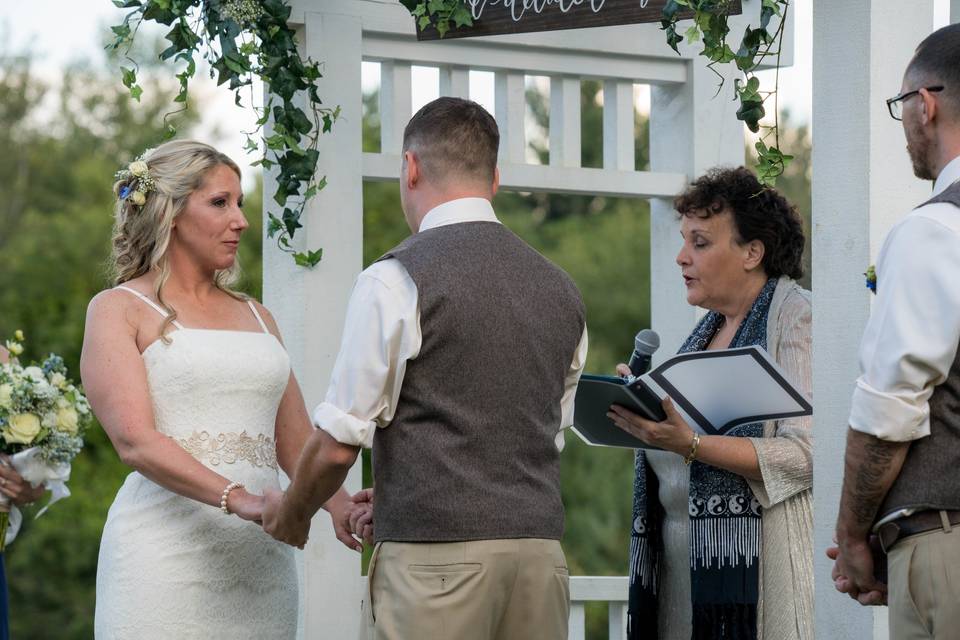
column 139, row 181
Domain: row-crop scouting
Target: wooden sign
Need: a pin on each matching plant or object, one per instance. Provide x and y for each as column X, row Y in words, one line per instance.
column 495, row 17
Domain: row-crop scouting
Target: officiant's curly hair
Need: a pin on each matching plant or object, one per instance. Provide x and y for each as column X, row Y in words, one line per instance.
column 141, row 233
column 759, row 213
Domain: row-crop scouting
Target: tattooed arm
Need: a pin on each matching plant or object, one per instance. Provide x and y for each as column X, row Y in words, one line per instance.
column 870, row 467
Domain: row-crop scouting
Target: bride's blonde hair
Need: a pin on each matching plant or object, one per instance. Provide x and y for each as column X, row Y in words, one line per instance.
column 141, row 233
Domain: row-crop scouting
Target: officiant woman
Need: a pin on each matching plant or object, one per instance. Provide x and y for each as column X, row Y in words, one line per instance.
column 721, row 547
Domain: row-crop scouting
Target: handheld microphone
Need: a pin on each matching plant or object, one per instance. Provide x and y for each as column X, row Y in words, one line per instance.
column 644, row 345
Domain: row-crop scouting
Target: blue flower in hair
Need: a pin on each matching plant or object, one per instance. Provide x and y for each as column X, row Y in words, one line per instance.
column 125, row 191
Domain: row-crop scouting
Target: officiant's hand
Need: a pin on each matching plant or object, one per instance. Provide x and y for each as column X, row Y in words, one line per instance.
column 282, row 522
column 673, row 434
column 15, row 487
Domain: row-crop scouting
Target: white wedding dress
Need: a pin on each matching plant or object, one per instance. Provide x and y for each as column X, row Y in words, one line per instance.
column 174, row 568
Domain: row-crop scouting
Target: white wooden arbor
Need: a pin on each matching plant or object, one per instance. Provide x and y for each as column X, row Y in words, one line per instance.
column 690, row 131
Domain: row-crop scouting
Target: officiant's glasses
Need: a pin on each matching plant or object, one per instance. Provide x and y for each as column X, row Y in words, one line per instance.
column 895, row 104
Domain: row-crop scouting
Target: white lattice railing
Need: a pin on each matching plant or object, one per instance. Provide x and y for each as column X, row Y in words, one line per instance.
column 613, row 591
column 511, row 64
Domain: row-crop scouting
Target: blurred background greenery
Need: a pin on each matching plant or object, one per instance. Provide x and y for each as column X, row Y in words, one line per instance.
column 61, row 144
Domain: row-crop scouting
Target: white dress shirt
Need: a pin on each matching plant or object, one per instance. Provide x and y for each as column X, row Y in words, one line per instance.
column 382, row 332
column 911, row 339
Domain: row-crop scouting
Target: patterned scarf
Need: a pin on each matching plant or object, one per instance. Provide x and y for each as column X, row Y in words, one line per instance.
column 724, row 523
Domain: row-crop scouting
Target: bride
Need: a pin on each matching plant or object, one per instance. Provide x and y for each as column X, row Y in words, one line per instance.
column 192, row 383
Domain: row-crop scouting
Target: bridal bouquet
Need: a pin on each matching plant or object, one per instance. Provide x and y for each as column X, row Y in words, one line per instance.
column 43, row 416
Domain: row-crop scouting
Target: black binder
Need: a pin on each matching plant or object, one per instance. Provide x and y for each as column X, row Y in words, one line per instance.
column 748, row 377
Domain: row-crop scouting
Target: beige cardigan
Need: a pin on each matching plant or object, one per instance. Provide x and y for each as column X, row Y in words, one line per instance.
column 785, row 610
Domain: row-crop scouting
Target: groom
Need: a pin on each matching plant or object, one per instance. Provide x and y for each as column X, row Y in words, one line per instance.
column 461, row 353
column 903, row 446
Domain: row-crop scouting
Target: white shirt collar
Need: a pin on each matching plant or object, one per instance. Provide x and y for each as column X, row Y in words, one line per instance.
column 949, row 175
column 460, row 210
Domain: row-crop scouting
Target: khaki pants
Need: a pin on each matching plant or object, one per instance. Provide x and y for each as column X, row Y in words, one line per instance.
column 924, row 586
column 480, row 590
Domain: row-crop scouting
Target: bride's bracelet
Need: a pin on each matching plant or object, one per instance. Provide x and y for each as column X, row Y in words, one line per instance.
column 226, row 494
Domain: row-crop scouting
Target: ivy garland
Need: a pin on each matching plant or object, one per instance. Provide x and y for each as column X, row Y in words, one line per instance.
column 710, row 27
column 241, row 39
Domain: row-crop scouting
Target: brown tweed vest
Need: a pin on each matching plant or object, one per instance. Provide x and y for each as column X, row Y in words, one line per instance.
column 471, row 453
column 930, row 477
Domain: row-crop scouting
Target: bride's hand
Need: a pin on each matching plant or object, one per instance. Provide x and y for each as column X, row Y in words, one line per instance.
column 247, row 506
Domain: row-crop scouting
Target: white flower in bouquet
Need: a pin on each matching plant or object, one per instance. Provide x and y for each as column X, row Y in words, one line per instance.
column 49, row 420
column 35, row 374
column 68, row 420
column 22, row 428
column 6, row 395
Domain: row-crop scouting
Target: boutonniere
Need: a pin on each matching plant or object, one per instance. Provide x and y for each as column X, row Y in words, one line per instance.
column 871, row 276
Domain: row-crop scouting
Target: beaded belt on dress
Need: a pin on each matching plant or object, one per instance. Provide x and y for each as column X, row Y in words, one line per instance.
column 230, row 448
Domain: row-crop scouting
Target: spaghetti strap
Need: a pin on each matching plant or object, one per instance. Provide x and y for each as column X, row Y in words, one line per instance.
column 150, row 302
column 253, row 308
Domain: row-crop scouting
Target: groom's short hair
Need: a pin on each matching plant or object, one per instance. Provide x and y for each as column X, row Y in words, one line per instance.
column 454, row 138
column 937, row 62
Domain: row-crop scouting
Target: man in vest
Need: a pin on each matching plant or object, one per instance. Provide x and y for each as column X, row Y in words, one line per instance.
column 902, row 469
column 459, row 363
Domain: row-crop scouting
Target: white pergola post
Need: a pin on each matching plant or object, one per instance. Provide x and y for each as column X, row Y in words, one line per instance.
column 310, row 305
column 690, row 132
column 862, row 184
column 954, row 11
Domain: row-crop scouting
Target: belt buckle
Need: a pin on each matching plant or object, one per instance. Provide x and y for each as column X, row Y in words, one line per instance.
column 888, row 533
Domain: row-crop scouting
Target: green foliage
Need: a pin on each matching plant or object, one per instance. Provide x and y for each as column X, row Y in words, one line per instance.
column 443, row 15
column 710, row 28
column 243, row 39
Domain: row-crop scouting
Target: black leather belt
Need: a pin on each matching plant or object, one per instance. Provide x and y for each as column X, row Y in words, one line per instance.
column 921, row 522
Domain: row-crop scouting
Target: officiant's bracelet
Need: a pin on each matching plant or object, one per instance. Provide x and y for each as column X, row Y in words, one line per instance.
column 226, row 494
column 693, row 449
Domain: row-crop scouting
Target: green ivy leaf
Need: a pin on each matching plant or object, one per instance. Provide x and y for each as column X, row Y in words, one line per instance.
column 291, row 221
column 462, row 16
column 273, row 225
column 309, row 259
column 122, row 31
column 129, row 77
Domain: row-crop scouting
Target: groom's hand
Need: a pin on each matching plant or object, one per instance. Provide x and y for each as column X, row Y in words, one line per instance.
column 853, row 573
column 282, row 523
column 361, row 520
column 341, row 510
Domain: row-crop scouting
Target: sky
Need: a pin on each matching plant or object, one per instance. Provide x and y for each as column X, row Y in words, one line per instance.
column 80, row 27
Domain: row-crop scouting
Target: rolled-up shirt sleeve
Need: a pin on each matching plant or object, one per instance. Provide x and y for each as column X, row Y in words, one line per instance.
column 570, row 388
column 381, row 333
column 910, row 341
